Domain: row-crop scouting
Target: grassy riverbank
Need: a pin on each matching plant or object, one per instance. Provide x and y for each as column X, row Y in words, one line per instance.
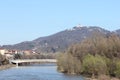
column 3, row 67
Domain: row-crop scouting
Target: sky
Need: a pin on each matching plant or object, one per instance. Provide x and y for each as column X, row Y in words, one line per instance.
column 26, row 20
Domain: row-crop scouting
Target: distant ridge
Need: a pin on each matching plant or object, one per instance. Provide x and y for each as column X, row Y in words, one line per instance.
column 61, row 40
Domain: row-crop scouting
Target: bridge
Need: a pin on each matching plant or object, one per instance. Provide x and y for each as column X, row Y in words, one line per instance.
column 18, row 61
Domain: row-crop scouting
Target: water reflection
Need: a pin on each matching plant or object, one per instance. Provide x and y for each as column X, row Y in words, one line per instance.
column 36, row 72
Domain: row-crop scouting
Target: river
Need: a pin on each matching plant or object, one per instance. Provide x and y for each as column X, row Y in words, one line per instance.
column 36, row 72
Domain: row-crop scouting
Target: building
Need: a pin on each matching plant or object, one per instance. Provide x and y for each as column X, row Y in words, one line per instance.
column 3, row 51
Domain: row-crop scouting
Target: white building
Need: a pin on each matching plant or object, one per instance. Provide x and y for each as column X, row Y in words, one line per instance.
column 3, row 51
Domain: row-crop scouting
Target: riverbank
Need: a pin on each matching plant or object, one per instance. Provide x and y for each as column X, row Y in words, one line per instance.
column 103, row 78
column 3, row 67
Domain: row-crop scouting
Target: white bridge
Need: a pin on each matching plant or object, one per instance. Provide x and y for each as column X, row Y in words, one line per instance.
column 32, row 60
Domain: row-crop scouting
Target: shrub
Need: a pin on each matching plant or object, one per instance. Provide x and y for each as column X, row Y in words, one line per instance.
column 94, row 65
column 68, row 64
column 61, row 62
column 74, row 65
column 117, row 70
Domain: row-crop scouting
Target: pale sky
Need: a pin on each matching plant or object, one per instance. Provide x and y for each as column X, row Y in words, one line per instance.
column 26, row 20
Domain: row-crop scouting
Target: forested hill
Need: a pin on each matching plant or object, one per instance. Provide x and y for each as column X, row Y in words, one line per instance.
column 117, row 32
column 61, row 40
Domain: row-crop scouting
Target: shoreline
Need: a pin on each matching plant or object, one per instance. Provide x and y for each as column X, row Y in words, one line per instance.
column 4, row 67
column 112, row 78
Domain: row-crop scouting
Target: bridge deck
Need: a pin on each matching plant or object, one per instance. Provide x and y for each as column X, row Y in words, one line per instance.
column 32, row 60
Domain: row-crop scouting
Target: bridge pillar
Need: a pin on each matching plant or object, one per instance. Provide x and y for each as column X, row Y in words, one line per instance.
column 17, row 64
column 10, row 62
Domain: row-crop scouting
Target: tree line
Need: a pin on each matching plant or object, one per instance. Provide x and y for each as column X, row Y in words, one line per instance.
column 35, row 56
column 94, row 56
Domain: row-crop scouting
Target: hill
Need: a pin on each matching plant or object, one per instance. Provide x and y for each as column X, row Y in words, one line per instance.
column 117, row 32
column 59, row 41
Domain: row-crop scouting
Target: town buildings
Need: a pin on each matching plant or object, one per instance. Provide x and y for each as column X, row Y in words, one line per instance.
column 9, row 54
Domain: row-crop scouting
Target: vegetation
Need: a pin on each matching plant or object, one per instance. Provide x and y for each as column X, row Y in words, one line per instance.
column 94, row 65
column 3, row 60
column 117, row 70
column 35, row 56
column 95, row 56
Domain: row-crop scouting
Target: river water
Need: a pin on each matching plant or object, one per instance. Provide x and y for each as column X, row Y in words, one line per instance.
column 36, row 72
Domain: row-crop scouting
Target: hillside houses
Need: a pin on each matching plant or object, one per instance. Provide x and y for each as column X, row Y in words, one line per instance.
column 9, row 54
